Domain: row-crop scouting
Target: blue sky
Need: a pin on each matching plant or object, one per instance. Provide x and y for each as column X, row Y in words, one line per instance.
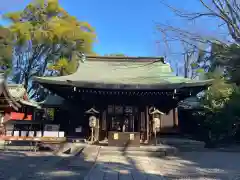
column 125, row 26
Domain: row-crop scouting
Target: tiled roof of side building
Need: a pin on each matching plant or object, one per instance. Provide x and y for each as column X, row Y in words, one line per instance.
column 14, row 94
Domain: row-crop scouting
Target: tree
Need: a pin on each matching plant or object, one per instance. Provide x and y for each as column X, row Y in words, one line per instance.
column 214, row 51
column 64, row 67
column 229, row 59
column 226, row 12
column 222, row 110
column 224, row 58
column 191, row 62
column 5, row 49
column 215, row 55
column 218, row 94
column 44, row 33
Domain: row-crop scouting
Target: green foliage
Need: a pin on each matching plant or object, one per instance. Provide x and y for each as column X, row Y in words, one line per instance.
column 222, row 108
column 223, row 120
column 222, row 57
column 45, row 33
column 48, row 23
column 200, row 71
column 194, row 65
column 64, row 66
column 217, row 95
column 5, row 49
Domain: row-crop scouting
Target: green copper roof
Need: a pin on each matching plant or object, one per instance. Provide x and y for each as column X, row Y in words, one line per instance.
column 14, row 94
column 52, row 101
column 123, row 73
column 17, row 91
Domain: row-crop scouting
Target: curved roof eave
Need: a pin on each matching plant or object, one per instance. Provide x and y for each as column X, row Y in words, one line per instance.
column 103, row 85
column 123, row 73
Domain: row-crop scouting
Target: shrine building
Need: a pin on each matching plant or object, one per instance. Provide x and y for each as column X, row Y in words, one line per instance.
column 129, row 99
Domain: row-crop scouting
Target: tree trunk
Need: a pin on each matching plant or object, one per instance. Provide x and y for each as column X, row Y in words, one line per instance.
column 26, row 82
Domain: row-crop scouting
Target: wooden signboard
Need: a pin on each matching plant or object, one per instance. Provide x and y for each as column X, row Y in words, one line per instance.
column 51, row 127
column 131, row 137
column 115, row 136
column 78, row 129
column 123, row 139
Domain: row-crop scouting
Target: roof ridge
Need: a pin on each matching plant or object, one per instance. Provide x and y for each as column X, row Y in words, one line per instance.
column 125, row 58
column 18, row 85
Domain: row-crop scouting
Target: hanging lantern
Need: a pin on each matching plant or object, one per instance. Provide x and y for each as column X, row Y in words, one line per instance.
column 92, row 121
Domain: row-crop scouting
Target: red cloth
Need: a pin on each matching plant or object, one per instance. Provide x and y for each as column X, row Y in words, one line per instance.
column 20, row 116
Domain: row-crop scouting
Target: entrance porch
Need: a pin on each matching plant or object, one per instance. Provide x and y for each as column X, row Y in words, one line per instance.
column 118, row 124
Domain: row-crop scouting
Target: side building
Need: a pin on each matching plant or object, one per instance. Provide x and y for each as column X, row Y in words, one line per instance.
column 122, row 99
column 16, row 110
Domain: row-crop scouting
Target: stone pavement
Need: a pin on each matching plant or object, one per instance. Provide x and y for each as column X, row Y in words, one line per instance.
column 190, row 165
column 23, row 165
column 187, row 165
column 46, row 166
column 121, row 167
column 201, row 166
column 69, row 168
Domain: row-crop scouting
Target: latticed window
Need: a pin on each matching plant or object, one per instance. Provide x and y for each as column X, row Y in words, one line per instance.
column 50, row 114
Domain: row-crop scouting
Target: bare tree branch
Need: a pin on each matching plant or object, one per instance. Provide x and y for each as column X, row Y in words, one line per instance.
column 227, row 11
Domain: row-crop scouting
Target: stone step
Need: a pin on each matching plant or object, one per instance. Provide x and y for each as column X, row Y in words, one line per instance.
column 179, row 141
column 150, row 148
column 17, row 148
column 72, row 149
column 91, row 152
column 135, row 153
column 183, row 144
column 58, row 149
column 155, row 151
column 76, row 150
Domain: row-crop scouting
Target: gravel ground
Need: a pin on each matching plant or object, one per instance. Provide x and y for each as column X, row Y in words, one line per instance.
column 189, row 165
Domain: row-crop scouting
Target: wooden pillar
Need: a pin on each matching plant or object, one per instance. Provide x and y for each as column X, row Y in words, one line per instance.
column 104, row 124
column 96, row 132
column 142, row 125
column 147, row 124
column 175, row 117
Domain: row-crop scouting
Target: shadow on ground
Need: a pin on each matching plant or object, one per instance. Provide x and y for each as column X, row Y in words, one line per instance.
column 193, row 165
column 201, row 165
column 40, row 165
column 189, row 165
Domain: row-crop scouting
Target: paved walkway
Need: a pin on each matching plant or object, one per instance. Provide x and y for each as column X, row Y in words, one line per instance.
column 121, row 167
column 25, row 165
column 46, row 166
column 191, row 166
